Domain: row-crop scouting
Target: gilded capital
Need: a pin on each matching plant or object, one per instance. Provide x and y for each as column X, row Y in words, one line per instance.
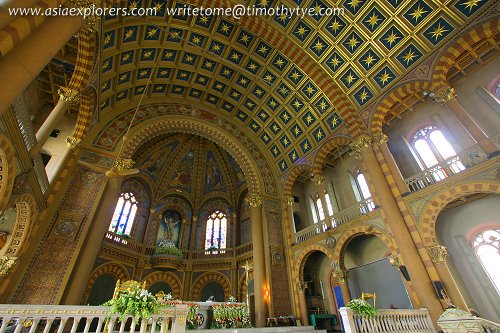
column 360, row 144
column 395, row 261
column 90, row 19
column 6, row 264
column 340, row 275
column 318, row 180
column 72, row 142
column 444, row 95
column 437, row 253
column 254, row 200
column 289, row 200
column 123, row 164
column 379, row 138
column 301, row 285
column 68, row 95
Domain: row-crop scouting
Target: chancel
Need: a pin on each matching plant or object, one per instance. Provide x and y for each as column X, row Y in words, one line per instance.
column 292, row 165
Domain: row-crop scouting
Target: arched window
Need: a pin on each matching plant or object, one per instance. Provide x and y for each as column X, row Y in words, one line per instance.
column 361, row 191
column 216, row 233
column 124, row 215
column 487, row 248
column 432, row 148
column 319, row 206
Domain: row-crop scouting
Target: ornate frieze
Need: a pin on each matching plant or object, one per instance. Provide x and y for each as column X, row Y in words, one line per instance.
column 121, row 164
column 6, row 264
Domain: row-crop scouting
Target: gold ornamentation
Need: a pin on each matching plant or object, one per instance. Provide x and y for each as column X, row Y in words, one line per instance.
column 254, row 200
column 72, row 142
column 301, row 285
column 360, row 144
column 444, row 95
column 68, row 95
column 6, row 264
column 379, row 138
column 437, row 253
column 340, row 275
column 395, row 261
column 318, row 180
column 123, row 164
column 289, row 200
column 91, row 19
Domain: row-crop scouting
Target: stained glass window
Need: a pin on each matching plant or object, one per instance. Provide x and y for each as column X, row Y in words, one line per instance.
column 216, row 233
column 487, row 248
column 124, row 215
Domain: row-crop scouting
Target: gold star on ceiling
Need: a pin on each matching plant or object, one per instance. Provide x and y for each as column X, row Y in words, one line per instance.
column 225, row 27
column 143, row 73
column 189, row 58
column 107, row 39
column 295, row 75
column 310, row 90
column 157, row 6
column 296, row 130
column 265, row 137
column 152, row 32
column 305, row 146
column 373, row 20
column 350, row 79
column 294, row 155
column 268, row 78
column 129, row 33
column 319, row 46
column 133, row 5
column 438, row 32
column 297, row 104
column 285, row 141
column 353, row 42
column 275, row 150
column 123, row 77
column 334, row 62
column 391, row 38
column 226, row 72
column 309, row 119
column 369, row 60
column 262, row 50
column 335, row 25
column 272, row 104
column 196, row 40
column 285, row 116
column 408, row 57
column 417, row 13
column 263, row 115
column 250, row 104
column 208, row 64
column 216, row 47
column 471, row 4
column 354, row 3
column 385, row 77
column 283, row 17
column 279, row 62
column 125, row 57
column 235, row 56
column 323, row 105
column 319, row 134
column 252, row 66
column 204, row 20
column 284, row 91
column 235, row 94
column 218, row 86
column 335, row 121
column 363, row 95
column 302, row 30
column 258, row 92
column 163, row 72
column 275, row 128
column 243, row 81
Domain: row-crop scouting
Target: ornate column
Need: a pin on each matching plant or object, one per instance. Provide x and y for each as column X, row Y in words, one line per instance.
column 393, row 217
column 259, row 270
column 438, row 256
column 89, row 251
column 380, row 139
column 289, row 205
column 447, row 96
column 341, row 276
column 320, row 185
column 28, row 58
column 304, row 315
column 71, row 145
column 66, row 98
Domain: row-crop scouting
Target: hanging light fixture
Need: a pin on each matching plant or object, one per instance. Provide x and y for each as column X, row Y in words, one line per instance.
column 124, row 166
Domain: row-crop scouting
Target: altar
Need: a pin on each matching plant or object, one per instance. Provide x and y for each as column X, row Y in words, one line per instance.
column 203, row 316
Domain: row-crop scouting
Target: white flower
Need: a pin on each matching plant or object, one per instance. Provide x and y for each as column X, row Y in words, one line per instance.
column 144, row 293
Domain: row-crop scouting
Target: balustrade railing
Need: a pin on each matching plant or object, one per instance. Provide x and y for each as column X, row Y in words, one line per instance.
column 388, row 321
column 455, row 320
column 451, row 166
column 361, row 208
column 16, row 318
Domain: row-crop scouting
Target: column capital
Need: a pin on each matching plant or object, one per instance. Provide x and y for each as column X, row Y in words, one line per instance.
column 395, row 261
column 301, row 285
column 254, row 200
column 379, row 139
column 340, row 275
column 121, row 164
column 360, row 144
column 289, row 200
column 90, row 19
column 68, row 95
column 72, row 142
column 444, row 95
column 6, row 264
column 318, row 179
column 437, row 253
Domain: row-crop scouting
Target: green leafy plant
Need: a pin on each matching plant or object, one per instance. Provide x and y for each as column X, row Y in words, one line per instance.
column 169, row 250
column 231, row 315
column 362, row 307
column 136, row 302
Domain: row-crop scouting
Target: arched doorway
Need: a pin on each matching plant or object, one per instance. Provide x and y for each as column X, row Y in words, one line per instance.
column 366, row 259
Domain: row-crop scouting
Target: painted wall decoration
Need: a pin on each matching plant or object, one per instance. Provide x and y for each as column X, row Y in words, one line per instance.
column 182, row 177
column 213, row 179
column 240, row 177
column 154, row 162
column 169, row 229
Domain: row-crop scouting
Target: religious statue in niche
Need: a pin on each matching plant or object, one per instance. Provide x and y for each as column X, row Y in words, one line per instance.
column 170, row 225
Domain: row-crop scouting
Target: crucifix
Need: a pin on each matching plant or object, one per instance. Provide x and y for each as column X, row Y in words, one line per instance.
column 247, row 268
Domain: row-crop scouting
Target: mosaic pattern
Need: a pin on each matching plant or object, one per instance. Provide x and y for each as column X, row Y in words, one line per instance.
column 218, row 62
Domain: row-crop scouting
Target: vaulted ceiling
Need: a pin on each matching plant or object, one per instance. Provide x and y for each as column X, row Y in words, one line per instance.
column 250, row 72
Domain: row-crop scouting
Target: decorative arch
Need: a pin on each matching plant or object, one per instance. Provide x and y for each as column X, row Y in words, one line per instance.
column 347, row 236
column 116, row 270
column 166, row 277
column 430, row 212
column 88, row 102
column 395, row 95
column 7, row 170
column 326, row 149
column 292, row 176
column 166, row 124
column 201, row 281
column 483, row 31
column 25, row 216
column 305, row 253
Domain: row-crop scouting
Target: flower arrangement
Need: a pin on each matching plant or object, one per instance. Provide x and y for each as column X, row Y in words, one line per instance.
column 362, row 307
column 192, row 321
column 231, row 315
column 170, row 249
column 134, row 301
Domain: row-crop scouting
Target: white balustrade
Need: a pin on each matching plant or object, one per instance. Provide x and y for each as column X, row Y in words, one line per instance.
column 361, row 208
column 455, row 320
column 388, row 321
column 17, row 318
column 453, row 165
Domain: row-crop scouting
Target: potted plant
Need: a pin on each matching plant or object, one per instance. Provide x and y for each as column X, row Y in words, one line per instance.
column 362, row 307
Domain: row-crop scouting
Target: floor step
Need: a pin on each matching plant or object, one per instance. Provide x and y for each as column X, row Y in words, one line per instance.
column 283, row 329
